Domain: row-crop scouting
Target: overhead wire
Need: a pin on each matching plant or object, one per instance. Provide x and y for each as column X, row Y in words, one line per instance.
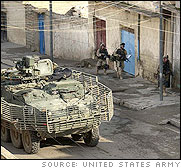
column 132, row 24
column 109, row 29
column 70, row 17
column 90, row 12
column 113, row 3
column 105, row 7
column 59, row 30
column 98, row 10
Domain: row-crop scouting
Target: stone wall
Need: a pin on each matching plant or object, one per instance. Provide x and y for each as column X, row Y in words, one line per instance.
column 31, row 22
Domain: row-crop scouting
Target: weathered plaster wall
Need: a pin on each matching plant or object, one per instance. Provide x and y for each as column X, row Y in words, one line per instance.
column 91, row 36
column 149, row 47
column 168, row 39
column 15, row 22
column 70, row 38
column 176, row 48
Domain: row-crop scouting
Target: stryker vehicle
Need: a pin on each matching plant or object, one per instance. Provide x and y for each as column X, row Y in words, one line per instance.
column 41, row 100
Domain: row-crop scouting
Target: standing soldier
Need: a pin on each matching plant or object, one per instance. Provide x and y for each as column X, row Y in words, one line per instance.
column 166, row 74
column 103, row 59
column 120, row 57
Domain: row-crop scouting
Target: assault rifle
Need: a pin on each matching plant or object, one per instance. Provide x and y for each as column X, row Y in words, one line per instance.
column 127, row 58
column 103, row 56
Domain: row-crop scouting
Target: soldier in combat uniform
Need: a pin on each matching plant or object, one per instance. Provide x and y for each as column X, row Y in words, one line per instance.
column 103, row 59
column 120, row 57
column 167, row 71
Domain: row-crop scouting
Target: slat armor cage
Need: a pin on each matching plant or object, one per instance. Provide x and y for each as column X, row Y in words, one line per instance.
column 30, row 118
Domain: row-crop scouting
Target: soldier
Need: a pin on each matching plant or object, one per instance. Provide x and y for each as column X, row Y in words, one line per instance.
column 166, row 74
column 103, row 59
column 120, row 57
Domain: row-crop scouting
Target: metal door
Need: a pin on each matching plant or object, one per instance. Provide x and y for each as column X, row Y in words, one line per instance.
column 100, row 32
column 129, row 40
column 41, row 33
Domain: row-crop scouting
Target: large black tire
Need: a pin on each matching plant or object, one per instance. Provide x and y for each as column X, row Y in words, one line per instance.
column 76, row 137
column 15, row 137
column 91, row 138
column 5, row 134
column 31, row 142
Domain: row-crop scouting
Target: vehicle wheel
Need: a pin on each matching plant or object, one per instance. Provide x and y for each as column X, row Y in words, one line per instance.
column 15, row 137
column 31, row 142
column 76, row 137
column 5, row 134
column 91, row 138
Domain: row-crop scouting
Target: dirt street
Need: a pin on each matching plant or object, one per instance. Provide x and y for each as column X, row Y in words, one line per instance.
column 126, row 136
column 131, row 134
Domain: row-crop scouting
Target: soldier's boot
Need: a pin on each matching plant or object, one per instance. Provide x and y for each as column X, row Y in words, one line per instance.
column 117, row 73
column 105, row 72
column 120, row 75
column 164, row 91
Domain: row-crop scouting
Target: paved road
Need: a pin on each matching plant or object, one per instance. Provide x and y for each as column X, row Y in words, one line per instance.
column 126, row 136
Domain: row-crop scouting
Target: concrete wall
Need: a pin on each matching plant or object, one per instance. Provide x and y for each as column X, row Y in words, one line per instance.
column 168, row 39
column 70, row 38
column 15, row 22
column 149, row 47
column 91, row 30
column 176, row 48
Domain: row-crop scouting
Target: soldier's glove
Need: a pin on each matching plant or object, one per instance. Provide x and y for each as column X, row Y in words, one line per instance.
column 99, row 56
column 103, row 56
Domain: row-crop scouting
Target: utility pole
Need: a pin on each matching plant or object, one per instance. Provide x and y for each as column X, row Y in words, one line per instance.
column 51, row 33
column 161, row 54
column 139, row 16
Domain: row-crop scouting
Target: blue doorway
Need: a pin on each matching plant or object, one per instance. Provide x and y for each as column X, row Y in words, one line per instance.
column 129, row 40
column 41, row 33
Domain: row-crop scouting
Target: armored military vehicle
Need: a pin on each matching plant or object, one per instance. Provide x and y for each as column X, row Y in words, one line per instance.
column 41, row 100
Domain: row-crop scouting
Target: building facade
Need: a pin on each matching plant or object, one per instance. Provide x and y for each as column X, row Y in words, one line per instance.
column 15, row 21
column 77, row 35
column 176, row 47
column 136, row 23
